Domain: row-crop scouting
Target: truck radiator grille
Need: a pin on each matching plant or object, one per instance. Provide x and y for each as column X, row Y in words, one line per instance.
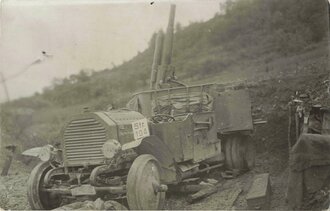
column 83, row 140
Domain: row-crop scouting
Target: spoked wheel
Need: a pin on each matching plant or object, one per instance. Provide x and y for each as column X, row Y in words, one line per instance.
column 38, row 199
column 144, row 184
column 239, row 152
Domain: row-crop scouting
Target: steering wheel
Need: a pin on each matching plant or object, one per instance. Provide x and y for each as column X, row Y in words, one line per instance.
column 161, row 118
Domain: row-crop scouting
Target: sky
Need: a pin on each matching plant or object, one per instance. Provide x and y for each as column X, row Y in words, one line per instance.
column 80, row 34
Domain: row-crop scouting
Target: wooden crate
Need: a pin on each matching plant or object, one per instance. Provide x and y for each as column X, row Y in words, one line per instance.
column 259, row 194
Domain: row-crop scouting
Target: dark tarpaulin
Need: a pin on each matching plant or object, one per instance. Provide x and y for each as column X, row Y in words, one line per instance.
column 233, row 109
column 309, row 171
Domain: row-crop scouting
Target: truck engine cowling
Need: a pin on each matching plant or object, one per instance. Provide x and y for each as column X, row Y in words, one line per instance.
column 84, row 135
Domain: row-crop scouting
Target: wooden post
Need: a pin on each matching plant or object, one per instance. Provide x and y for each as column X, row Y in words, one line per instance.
column 289, row 126
column 11, row 151
column 3, row 81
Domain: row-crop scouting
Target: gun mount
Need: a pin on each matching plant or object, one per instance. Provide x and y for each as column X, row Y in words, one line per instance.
column 163, row 73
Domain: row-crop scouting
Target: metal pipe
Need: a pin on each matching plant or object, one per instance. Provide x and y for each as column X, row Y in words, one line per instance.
column 195, row 170
column 67, row 191
column 211, row 167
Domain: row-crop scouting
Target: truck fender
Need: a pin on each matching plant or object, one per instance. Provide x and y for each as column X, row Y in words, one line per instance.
column 153, row 145
column 33, row 152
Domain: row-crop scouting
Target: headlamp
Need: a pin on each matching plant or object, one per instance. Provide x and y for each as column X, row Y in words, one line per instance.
column 110, row 148
column 46, row 153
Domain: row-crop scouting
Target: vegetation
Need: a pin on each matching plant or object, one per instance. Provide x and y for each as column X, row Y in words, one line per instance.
column 244, row 35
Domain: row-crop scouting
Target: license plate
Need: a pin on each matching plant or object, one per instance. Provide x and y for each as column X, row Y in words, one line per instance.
column 140, row 129
column 83, row 190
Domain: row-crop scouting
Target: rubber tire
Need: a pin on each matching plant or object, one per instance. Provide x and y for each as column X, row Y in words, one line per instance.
column 37, row 199
column 228, row 159
column 239, row 152
column 133, row 183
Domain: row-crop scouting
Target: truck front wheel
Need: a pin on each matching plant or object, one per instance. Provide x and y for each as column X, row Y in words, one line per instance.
column 39, row 199
column 144, row 189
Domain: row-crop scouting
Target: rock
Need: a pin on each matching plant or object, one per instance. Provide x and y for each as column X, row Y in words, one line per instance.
column 72, row 206
column 88, row 205
column 98, row 204
column 113, row 205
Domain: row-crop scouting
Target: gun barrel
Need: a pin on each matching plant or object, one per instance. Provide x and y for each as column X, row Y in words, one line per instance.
column 168, row 43
column 156, row 59
column 163, row 54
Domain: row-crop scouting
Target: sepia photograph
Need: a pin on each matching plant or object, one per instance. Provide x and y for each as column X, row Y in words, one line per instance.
column 164, row 105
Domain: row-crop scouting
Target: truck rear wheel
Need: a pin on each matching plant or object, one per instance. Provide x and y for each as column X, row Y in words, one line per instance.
column 143, row 177
column 38, row 199
column 239, row 152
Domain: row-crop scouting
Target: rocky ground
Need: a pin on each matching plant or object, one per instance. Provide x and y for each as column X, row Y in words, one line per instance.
column 13, row 188
column 231, row 193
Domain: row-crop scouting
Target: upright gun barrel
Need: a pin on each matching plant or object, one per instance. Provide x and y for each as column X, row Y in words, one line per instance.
column 168, row 43
column 157, row 59
column 163, row 53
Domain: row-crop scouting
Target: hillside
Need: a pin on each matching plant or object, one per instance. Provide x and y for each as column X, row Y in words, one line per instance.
column 249, row 40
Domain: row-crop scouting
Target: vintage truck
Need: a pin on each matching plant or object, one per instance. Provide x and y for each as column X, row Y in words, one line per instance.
column 165, row 134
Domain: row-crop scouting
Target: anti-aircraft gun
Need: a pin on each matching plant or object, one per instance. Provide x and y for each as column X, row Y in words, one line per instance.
column 165, row 134
column 162, row 73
